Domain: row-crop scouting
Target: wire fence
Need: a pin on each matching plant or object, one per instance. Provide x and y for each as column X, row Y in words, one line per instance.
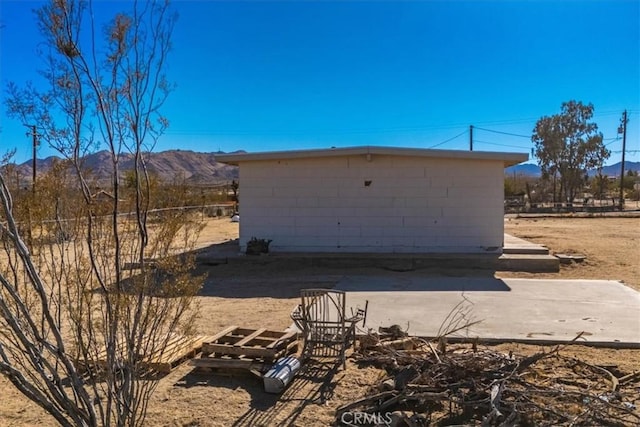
column 207, row 211
column 519, row 205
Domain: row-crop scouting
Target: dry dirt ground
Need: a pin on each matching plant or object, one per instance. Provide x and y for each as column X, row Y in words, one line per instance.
column 263, row 295
column 611, row 245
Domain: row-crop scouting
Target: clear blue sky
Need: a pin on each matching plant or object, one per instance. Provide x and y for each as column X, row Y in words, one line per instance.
column 290, row 75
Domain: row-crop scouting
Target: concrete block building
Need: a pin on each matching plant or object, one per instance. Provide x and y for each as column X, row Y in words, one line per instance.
column 373, row 199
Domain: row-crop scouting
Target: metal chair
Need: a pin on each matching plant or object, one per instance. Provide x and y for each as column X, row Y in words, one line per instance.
column 326, row 329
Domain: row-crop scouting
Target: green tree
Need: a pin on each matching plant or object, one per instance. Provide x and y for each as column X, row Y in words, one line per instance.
column 567, row 145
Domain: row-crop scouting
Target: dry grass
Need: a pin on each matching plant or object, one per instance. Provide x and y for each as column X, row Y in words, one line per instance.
column 260, row 296
column 612, row 246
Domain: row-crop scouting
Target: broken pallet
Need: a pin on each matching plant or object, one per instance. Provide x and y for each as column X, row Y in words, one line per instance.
column 177, row 349
column 243, row 348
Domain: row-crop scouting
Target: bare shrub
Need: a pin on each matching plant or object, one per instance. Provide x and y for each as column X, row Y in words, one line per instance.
column 95, row 288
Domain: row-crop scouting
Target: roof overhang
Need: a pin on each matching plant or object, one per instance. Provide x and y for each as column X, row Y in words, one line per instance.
column 509, row 159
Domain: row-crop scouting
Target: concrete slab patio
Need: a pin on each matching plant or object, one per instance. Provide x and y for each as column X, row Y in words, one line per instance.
column 516, row 245
column 517, row 255
column 524, row 310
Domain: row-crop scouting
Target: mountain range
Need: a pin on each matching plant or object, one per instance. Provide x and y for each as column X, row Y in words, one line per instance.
column 192, row 167
column 202, row 168
column 531, row 169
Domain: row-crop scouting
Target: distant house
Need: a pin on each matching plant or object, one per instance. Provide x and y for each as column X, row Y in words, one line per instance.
column 373, row 199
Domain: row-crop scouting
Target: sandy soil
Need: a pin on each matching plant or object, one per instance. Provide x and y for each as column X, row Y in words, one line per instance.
column 262, row 295
column 612, row 245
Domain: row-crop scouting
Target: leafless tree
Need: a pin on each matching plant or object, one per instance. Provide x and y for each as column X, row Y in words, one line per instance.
column 102, row 285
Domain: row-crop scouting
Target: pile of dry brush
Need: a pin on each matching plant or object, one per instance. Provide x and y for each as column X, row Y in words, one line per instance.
column 436, row 384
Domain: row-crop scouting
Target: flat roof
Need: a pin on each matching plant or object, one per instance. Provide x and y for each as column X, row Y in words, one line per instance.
column 509, row 159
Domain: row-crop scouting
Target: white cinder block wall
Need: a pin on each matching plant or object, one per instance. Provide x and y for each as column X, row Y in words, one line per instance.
column 376, row 203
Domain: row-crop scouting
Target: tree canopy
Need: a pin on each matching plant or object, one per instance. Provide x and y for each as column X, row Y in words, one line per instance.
column 567, row 145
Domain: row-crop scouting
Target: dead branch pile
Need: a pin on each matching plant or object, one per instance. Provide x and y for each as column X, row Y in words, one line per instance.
column 436, row 385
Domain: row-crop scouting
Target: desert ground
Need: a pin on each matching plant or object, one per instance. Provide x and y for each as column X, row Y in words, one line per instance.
column 261, row 295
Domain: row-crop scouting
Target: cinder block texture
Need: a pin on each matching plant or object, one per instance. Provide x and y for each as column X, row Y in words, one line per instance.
column 379, row 204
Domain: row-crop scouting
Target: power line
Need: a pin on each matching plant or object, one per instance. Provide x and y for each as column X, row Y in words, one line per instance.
column 275, row 132
column 501, row 145
column 612, row 140
column 504, row 133
column 606, row 113
column 310, row 131
column 507, row 121
column 342, row 131
column 337, row 132
column 448, row 140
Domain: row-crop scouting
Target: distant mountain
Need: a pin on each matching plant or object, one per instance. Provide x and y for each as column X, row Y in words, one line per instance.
column 203, row 169
column 614, row 170
column 192, row 167
column 531, row 169
column 528, row 169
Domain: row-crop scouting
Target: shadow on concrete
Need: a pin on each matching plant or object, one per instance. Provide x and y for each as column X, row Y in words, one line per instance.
column 262, row 288
column 422, row 284
column 284, row 275
column 371, row 281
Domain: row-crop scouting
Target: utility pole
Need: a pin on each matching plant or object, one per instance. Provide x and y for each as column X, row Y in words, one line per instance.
column 623, row 129
column 33, row 131
column 470, row 137
column 34, row 134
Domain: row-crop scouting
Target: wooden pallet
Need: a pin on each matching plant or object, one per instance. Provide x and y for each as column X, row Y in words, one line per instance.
column 178, row 349
column 242, row 348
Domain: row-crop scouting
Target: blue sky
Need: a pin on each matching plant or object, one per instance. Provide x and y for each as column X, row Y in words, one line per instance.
column 269, row 75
